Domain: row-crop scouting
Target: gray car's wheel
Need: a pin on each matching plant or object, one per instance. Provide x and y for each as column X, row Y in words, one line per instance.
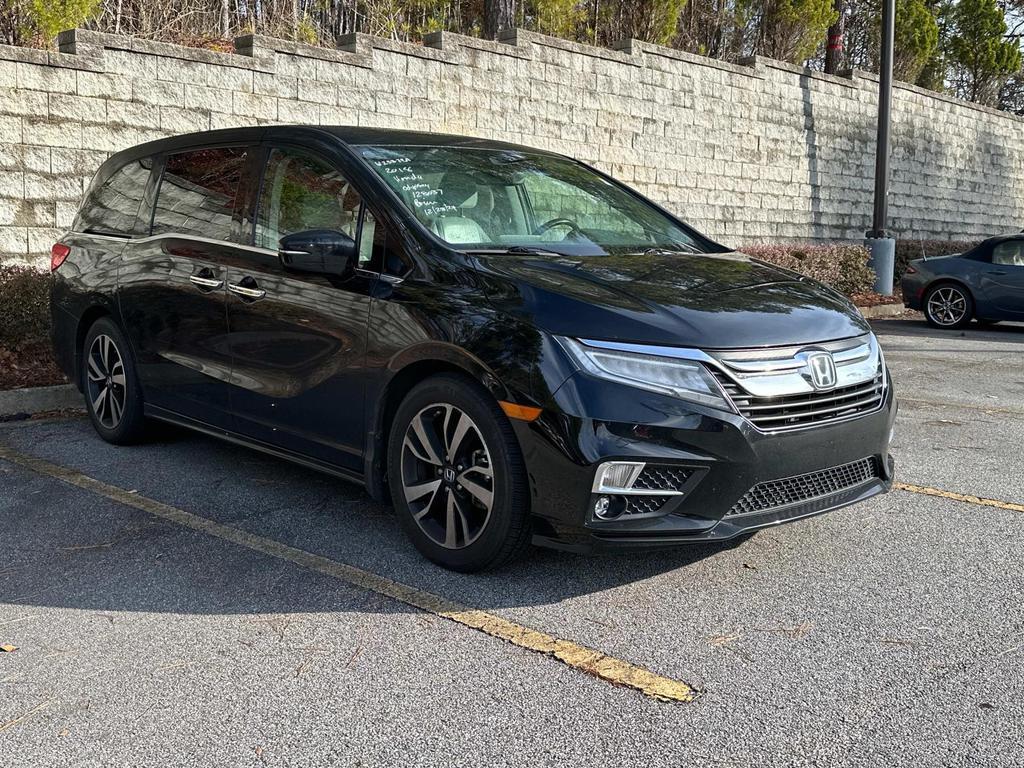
column 948, row 305
column 457, row 477
column 113, row 397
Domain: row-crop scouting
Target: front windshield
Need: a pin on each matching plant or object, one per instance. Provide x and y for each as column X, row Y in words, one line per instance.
column 501, row 199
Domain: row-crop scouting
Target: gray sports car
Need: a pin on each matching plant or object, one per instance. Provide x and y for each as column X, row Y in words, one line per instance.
column 985, row 283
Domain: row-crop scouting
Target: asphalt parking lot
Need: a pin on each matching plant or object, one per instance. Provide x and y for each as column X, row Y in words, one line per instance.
column 888, row 633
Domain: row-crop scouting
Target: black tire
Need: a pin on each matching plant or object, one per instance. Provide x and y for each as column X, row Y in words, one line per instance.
column 504, row 530
column 117, row 415
column 952, row 308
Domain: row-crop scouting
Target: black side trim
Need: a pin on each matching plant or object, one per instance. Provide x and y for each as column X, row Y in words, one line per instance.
column 162, row 414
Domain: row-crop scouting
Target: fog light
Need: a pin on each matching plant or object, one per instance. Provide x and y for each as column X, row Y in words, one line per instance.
column 604, row 509
column 617, row 476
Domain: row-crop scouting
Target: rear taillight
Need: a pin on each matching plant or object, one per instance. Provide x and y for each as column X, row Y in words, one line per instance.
column 910, row 271
column 58, row 253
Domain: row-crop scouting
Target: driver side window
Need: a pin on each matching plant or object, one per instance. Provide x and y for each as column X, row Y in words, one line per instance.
column 301, row 192
column 1009, row 253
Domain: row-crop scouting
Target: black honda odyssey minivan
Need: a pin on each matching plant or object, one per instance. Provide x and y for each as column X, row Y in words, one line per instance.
column 507, row 343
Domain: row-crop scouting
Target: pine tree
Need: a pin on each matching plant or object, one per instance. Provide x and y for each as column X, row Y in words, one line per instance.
column 980, row 58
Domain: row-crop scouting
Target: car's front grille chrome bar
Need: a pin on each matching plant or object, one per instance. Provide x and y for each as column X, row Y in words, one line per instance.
column 772, row 390
column 788, row 412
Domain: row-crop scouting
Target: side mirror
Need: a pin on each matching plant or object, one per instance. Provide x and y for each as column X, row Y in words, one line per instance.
column 320, row 251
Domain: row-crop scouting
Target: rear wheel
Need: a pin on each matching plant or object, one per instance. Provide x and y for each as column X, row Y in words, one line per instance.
column 457, row 477
column 113, row 397
column 948, row 305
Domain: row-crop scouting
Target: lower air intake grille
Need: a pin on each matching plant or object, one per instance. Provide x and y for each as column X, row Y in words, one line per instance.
column 644, row 505
column 813, row 485
column 662, row 477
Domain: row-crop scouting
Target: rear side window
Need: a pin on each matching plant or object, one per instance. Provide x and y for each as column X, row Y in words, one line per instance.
column 199, row 193
column 1009, row 253
column 113, row 207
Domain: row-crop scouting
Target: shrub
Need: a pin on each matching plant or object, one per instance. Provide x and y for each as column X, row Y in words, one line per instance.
column 24, row 306
column 843, row 266
column 908, row 250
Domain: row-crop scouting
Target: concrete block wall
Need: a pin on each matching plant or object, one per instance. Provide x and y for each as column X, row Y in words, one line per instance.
column 764, row 152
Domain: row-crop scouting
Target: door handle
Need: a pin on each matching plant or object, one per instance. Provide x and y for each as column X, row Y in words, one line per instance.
column 205, row 283
column 997, row 272
column 251, row 292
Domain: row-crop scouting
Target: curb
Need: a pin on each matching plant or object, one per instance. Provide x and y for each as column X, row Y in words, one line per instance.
column 30, row 400
column 882, row 310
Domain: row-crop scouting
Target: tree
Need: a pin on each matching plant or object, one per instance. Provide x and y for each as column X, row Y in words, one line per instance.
column 559, row 18
column 656, row 21
column 498, row 15
column 789, row 30
column 917, row 37
column 933, row 73
column 834, row 41
column 26, row 21
column 981, row 60
column 711, row 28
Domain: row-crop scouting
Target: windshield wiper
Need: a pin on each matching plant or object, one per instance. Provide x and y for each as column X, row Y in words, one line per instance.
column 518, row 249
column 668, row 251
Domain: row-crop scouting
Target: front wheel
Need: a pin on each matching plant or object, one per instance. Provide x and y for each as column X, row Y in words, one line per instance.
column 113, row 396
column 948, row 305
column 457, row 477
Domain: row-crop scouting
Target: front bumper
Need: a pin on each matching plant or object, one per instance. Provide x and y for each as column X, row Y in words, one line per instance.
column 727, row 456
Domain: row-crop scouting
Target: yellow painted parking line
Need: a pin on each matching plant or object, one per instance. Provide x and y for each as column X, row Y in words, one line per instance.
column 582, row 658
column 966, row 498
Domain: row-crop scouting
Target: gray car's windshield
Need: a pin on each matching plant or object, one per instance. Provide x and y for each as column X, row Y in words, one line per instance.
column 511, row 200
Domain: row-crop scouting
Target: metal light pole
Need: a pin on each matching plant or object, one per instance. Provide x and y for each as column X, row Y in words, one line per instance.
column 883, row 248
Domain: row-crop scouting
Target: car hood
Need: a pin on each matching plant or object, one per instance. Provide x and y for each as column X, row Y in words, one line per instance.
column 713, row 301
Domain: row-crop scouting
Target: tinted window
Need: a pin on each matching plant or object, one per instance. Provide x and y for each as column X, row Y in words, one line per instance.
column 301, row 192
column 198, row 193
column 113, row 207
column 1010, row 253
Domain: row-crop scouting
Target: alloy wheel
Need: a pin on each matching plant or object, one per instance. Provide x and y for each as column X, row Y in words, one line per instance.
column 447, row 475
column 106, row 383
column 947, row 305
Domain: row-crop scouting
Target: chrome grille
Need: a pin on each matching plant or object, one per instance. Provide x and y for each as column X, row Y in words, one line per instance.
column 662, row 477
column 785, row 412
column 813, row 485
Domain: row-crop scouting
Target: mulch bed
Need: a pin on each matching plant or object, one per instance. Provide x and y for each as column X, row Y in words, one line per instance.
column 876, row 299
column 29, row 365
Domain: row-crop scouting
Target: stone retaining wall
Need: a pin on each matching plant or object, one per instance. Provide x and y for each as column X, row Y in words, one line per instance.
column 764, row 152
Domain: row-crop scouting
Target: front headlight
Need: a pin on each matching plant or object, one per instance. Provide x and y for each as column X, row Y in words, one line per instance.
column 881, row 363
column 685, row 379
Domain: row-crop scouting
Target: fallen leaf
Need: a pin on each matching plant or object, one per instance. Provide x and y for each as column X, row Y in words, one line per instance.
column 354, row 656
column 719, row 640
column 8, row 648
column 750, row 567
